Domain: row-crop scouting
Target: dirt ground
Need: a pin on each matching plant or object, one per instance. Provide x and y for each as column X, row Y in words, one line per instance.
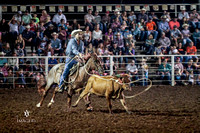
column 161, row 109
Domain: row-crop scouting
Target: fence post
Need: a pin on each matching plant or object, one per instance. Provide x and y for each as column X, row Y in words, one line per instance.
column 172, row 74
column 46, row 65
column 111, row 65
column 176, row 11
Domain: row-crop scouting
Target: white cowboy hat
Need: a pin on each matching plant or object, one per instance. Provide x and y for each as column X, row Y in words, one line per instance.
column 54, row 33
column 130, row 35
column 28, row 26
column 2, row 53
column 143, row 9
column 116, row 10
column 74, row 32
column 185, row 25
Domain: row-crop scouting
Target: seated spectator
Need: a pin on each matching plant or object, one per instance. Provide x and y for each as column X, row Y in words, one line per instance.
column 48, row 22
column 5, row 70
column 184, row 21
column 116, row 25
column 106, row 20
column 52, row 62
column 21, row 79
column 97, row 20
column 142, row 15
column 33, row 25
column 126, row 33
column 132, row 70
column 196, row 37
column 42, row 46
column 43, row 17
column 57, row 17
column 124, row 16
column 56, row 44
column 19, row 51
column 163, row 26
column 49, row 51
column 75, row 25
column 18, row 16
column 119, row 41
column 151, row 28
column 189, row 69
column 173, row 23
column 173, row 50
column 2, row 60
column 97, row 36
column 62, row 24
column 13, row 24
column 107, row 64
column 124, row 26
column 48, row 32
column 2, row 79
column 183, row 14
column 130, row 41
column 87, row 36
column 28, row 37
column 149, row 45
column 181, row 51
column 20, row 41
column 139, row 30
column 191, row 50
column 62, row 35
column 176, row 36
column 37, row 20
column 90, row 49
column 194, row 19
column 7, row 50
column 164, row 41
column 167, row 14
column 132, row 17
column 164, row 71
column 13, row 62
column 116, row 51
column 158, row 51
column 100, row 49
column 26, row 18
column 41, row 29
column 186, row 35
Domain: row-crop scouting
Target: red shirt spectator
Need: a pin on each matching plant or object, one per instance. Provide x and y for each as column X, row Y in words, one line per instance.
column 174, row 22
column 151, row 25
column 191, row 50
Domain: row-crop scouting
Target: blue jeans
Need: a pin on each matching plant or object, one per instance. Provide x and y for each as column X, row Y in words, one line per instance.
column 195, row 41
column 186, row 40
column 68, row 66
column 154, row 33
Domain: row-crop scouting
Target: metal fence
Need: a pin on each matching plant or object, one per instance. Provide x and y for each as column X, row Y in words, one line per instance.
column 29, row 68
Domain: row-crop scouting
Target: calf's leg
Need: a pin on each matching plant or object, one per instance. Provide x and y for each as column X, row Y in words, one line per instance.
column 122, row 100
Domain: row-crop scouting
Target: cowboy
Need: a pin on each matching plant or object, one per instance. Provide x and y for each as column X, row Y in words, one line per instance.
column 74, row 48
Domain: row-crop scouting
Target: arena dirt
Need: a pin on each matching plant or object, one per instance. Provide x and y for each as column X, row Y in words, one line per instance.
column 161, row 109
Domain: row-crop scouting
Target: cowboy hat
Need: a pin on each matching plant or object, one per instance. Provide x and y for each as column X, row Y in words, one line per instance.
column 185, row 25
column 28, row 26
column 2, row 53
column 54, row 33
column 116, row 10
column 130, row 35
column 74, row 32
column 118, row 13
column 164, row 16
column 144, row 60
column 143, row 9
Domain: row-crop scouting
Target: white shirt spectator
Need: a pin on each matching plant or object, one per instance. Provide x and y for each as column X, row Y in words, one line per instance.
column 89, row 17
column 181, row 15
column 97, row 35
column 57, row 18
column 131, row 68
column 18, row 18
column 13, row 27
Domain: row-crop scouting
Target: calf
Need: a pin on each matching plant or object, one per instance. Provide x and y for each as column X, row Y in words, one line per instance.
column 108, row 86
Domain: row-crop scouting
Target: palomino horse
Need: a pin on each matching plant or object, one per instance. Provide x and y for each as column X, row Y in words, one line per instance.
column 75, row 82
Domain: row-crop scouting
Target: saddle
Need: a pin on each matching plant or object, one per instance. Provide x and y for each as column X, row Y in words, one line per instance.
column 74, row 68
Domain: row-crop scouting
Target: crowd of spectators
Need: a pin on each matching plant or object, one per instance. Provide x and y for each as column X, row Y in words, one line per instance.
column 108, row 34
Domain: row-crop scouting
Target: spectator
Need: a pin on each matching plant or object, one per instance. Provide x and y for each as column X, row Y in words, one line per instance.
column 142, row 15
column 139, row 30
column 164, row 41
column 89, row 18
column 48, row 22
column 167, row 14
column 2, row 60
column 189, row 69
column 44, row 17
column 149, row 45
column 97, row 36
column 13, row 62
column 42, row 46
column 10, row 79
column 97, row 19
column 21, row 79
column 143, row 72
column 28, row 37
column 163, row 26
column 52, row 61
column 87, row 36
column 13, row 24
column 75, row 25
column 116, row 25
column 7, row 50
column 62, row 24
column 21, row 43
column 194, row 19
column 49, row 51
column 116, row 51
column 173, row 23
column 18, row 17
column 37, row 20
column 109, row 34
column 119, row 41
column 124, row 16
column 48, row 32
column 186, row 35
column 191, row 50
column 26, row 18
column 106, row 21
column 56, row 44
column 19, row 51
column 62, row 35
column 57, row 17
column 183, row 14
column 196, row 38
column 2, row 79
column 132, row 17
column 115, row 15
column 164, row 71
column 176, row 36
column 183, row 22
column 33, row 25
column 151, row 28
column 90, row 49
column 132, row 70
column 100, row 49
column 130, row 41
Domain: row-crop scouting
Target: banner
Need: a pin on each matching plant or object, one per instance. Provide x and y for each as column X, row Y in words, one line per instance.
column 90, row 7
column 182, row 7
column 109, row 8
column 136, row 8
column 4, row 9
column 99, row 8
column 155, row 7
column 118, row 7
column 164, row 7
column 52, row 9
column 127, row 8
column 14, row 9
column 70, row 8
column 0, row 13
column 42, row 7
column 80, row 9
column 193, row 7
column 172, row 7
column 61, row 7
column 33, row 9
column 147, row 7
column 23, row 8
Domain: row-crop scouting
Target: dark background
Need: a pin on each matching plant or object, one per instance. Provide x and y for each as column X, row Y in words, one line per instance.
column 24, row 2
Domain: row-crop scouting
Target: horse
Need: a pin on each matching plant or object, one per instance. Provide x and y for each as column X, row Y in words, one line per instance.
column 74, row 82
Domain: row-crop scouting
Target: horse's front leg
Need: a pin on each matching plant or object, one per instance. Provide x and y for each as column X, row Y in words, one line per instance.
column 53, row 97
column 69, row 97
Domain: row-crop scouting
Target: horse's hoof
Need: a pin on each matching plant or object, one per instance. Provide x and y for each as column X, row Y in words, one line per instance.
column 38, row 105
column 49, row 105
column 74, row 105
column 129, row 112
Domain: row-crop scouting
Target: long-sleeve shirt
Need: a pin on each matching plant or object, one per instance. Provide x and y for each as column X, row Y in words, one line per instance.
column 56, row 18
column 26, row 18
column 165, row 42
column 97, row 35
column 163, row 26
column 181, row 15
column 73, row 48
column 196, row 34
column 120, row 42
column 56, row 44
column 167, row 68
column 142, row 16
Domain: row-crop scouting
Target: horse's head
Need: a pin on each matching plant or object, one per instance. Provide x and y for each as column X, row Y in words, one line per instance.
column 96, row 64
